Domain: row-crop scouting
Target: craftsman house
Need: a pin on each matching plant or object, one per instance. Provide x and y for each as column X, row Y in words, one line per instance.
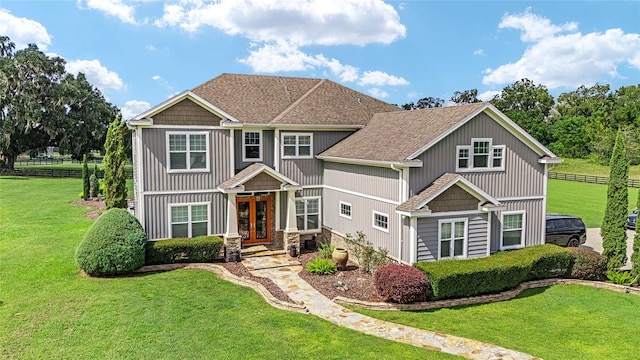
column 276, row 160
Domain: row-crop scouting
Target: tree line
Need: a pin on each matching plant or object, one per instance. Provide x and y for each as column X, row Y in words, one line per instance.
column 42, row 105
column 578, row 124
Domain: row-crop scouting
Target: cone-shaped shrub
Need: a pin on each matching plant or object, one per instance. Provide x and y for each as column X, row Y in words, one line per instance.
column 113, row 245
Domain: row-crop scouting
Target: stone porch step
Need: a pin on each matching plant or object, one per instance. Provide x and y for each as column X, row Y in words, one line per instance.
column 259, row 251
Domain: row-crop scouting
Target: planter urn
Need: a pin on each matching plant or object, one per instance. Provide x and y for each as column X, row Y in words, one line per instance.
column 340, row 256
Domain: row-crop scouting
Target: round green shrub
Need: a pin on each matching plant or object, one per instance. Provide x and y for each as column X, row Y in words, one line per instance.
column 113, row 245
column 401, row 283
column 588, row 265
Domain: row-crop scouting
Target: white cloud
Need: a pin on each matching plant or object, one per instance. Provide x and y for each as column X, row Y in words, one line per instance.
column 380, row 94
column 379, row 78
column 150, row 47
column 479, row 52
column 132, row 108
column 488, row 95
column 560, row 59
column 97, row 74
column 23, row 31
column 115, row 8
column 319, row 22
column 156, row 77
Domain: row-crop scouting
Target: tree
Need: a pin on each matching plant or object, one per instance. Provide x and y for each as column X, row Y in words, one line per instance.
column 465, row 97
column 635, row 256
column 529, row 105
column 613, row 231
column 424, row 103
column 114, row 162
column 85, row 178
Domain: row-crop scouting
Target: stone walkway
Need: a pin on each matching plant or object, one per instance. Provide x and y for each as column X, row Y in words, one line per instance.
column 283, row 270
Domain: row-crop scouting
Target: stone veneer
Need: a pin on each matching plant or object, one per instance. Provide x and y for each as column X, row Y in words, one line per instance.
column 292, row 239
column 231, row 244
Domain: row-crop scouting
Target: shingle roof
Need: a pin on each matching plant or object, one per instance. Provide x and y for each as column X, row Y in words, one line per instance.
column 394, row 136
column 251, row 171
column 257, row 99
column 443, row 181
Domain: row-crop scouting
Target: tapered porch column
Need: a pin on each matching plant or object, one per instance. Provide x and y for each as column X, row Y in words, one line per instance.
column 291, row 234
column 232, row 240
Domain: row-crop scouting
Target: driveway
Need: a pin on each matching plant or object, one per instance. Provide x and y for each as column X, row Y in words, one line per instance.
column 594, row 242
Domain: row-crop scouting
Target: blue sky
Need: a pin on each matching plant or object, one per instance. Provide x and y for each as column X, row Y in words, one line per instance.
column 141, row 52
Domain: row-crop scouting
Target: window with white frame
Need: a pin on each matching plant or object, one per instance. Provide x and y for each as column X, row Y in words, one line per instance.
column 308, row 214
column 381, row 221
column 189, row 220
column 480, row 155
column 251, row 145
column 345, row 209
column 452, row 238
column 297, row 146
column 188, row 151
column 513, row 227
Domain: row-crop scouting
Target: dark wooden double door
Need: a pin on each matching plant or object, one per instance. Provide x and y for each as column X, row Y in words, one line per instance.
column 254, row 219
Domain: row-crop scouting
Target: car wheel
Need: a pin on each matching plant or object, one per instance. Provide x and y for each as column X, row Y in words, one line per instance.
column 573, row 242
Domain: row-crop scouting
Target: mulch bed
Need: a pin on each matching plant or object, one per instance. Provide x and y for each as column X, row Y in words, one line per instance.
column 349, row 283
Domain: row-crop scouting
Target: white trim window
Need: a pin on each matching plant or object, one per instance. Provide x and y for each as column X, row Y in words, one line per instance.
column 481, row 155
column 188, row 220
column 251, row 145
column 513, row 229
column 187, row 151
column 452, row 238
column 380, row 221
column 297, row 145
column 345, row 209
column 308, row 214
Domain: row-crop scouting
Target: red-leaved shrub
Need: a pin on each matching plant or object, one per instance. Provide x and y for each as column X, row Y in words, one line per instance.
column 588, row 265
column 401, row 284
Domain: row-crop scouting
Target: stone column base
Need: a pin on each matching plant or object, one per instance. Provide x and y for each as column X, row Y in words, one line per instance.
column 292, row 239
column 232, row 245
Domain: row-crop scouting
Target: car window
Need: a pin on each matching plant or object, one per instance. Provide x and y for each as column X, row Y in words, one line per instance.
column 551, row 224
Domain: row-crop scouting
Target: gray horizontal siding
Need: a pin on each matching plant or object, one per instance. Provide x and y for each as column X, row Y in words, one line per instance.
column 267, row 149
column 156, row 222
column 523, row 176
column 534, row 222
column 155, row 162
column 310, row 171
column 369, row 180
column 361, row 219
column 427, row 236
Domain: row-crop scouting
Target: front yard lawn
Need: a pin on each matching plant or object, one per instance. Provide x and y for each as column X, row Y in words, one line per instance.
column 49, row 311
column 559, row 322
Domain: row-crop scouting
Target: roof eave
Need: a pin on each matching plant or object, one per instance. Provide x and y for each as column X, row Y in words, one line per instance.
column 378, row 163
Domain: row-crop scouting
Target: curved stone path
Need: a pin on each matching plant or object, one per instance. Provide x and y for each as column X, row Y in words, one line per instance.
column 283, row 270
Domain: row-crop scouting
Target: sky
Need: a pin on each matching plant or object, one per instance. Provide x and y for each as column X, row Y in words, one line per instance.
column 141, row 52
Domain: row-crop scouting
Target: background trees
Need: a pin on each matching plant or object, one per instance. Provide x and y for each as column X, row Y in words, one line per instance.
column 44, row 106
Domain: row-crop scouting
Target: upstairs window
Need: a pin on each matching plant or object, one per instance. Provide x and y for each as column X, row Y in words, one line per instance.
column 297, row 146
column 481, row 155
column 252, row 146
column 188, row 151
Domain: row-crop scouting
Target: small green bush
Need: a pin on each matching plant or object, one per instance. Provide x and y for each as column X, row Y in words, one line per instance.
column 620, row 277
column 367, row 256
column 401, row 284
column 113, row 245
column 587, row 265
column 326, row 250
column 321, row 266
column 94, row 185
column 180, row 250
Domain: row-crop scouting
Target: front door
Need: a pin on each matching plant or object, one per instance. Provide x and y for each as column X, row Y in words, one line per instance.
column 254, row 215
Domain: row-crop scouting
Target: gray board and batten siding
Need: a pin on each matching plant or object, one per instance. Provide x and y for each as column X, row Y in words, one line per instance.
column 310, row 171
column 522, row 177
column 427, row 236
column 155, row 162
column 267, row 149
column 534, row 222
column 313, row 192
column 156, row 223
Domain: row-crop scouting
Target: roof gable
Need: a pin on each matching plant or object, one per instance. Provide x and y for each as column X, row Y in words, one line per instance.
column 257, row 177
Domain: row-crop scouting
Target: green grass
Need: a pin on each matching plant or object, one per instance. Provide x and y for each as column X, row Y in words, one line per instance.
column 559, row 322
column 49, row 311
column 587, row 201
column 586, row 167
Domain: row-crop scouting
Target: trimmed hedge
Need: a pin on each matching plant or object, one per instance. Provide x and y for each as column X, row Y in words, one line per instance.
column 401, row 284
column 113, row 245
column 179, row 250
column 498, row 272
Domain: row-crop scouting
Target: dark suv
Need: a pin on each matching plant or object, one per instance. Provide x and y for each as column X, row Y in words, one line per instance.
column 565, row 230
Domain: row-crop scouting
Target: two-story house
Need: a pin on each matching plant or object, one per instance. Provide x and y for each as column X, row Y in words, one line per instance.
column 268, row 160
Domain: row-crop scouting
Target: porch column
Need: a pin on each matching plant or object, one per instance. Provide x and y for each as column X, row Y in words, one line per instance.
column 232, row 240
column 292, row 224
